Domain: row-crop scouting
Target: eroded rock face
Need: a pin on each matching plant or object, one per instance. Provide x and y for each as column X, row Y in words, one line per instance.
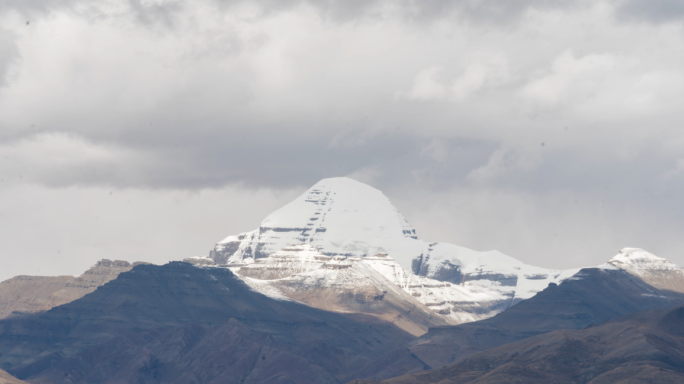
column 340, row 217
column 29, row 294
column 374, row 285
column 338, row 283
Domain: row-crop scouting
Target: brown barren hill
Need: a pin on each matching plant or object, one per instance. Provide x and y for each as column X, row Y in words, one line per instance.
column 6, row 378
column 30, row 294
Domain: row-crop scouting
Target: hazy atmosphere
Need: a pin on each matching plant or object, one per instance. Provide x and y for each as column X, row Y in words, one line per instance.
column 551, row 131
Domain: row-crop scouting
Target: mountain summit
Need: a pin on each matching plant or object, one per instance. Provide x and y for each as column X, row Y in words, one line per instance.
column 339, row 216
column 654, row 270
column 359, row 228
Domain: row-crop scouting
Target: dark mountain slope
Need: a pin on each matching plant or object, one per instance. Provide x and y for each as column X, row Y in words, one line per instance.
column 644, row 347
column 180, row 323
column 593, row 296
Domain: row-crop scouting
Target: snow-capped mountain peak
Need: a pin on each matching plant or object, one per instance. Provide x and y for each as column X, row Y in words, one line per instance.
column 653, row 270
column 638, row 259
column 343, row 218
column 338, row 216
column 345, row 205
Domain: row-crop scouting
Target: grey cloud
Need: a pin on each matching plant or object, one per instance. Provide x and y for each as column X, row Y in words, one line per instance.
column 8, row 54
column 335, row 10
column 153, row 14
column 489, row 12
column 317, row 115
column 652, row 11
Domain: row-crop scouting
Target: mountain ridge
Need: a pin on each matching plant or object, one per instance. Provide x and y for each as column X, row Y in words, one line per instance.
column 29, row 294
column 640, row 347
column 179, row 323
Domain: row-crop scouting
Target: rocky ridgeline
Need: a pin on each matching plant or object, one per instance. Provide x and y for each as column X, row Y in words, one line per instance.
column 30, row 294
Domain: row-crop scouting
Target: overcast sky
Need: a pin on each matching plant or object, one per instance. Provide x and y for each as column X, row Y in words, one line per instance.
column 552, row 131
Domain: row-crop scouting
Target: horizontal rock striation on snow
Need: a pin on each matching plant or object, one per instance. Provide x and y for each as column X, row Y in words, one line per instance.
column 349, row 223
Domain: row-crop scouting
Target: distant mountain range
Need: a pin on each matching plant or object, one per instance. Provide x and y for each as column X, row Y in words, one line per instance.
column 336, row 287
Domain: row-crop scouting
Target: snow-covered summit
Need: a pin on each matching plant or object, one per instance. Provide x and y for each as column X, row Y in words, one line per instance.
column 341, row 217
column 338, row 216
column 653, row 270
column 638, row 259
column 351, row 208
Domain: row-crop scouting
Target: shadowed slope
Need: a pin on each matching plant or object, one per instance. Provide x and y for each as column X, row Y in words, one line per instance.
column 644, row 347
column 180, row 323
column 593, row 296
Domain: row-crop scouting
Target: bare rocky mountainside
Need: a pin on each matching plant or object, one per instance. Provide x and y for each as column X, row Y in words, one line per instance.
column 178, row 323
column 591, row 297
column 30, row 294
column 642, row 347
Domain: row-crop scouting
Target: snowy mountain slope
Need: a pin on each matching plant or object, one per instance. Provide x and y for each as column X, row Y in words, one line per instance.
column 339, row 216
column 354, row 222
column 336, row 283
column 654, row 270
column 357, row 284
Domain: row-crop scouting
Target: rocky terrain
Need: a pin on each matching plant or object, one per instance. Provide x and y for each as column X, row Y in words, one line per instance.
column 642, row 347
column 591, row 297
column 178, row 323
column 354, row 223
column 6, row 378
column 374, row 285
column 30, row 294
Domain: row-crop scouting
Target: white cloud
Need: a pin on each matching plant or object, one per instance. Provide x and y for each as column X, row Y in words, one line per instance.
column 480, row 70
column 506, row 163
column 568, row 72
column 427, row 86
